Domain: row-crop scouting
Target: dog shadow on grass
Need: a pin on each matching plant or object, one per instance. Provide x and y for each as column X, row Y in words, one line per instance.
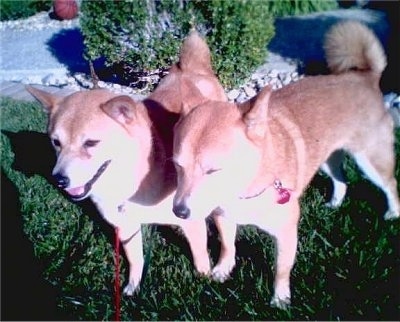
column 25, row 295
column 22, row 273
column 33, row 153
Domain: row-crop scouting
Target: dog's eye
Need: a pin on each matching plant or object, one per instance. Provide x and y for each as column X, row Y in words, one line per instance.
column 56, row 143
column 211, row 171
column 90, row 143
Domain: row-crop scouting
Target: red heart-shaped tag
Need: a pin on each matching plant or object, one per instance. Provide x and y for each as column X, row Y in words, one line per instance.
column 283, row 196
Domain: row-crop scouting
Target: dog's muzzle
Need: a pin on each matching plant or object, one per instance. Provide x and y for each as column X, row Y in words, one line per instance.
column 181, row 211
column 79, row 193
column 62, row 181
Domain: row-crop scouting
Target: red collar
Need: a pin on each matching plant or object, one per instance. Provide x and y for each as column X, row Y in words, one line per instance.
column 283, row 193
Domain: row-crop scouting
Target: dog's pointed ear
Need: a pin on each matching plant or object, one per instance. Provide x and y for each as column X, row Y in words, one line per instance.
column 121, row 109
column 47, row 100
column 191, row 96
column 255, row 113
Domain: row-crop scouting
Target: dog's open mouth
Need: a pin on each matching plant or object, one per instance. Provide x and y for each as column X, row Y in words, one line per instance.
column 79, row 193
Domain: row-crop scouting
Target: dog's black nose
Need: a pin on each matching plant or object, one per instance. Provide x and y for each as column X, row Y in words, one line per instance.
column 62, row 181
column 181, row 211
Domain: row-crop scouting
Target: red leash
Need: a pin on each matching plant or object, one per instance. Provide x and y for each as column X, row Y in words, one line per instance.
column 116, row 281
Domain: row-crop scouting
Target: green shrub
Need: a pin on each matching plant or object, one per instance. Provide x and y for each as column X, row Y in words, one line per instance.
column 296, row 7
column 13, row 10
column 145, row 35
column 139, row 38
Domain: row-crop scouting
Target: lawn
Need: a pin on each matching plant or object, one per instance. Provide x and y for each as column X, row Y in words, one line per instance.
column 57, row 256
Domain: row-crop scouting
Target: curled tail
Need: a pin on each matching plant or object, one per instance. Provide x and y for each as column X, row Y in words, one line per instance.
column 195, row 55
column 351, row 45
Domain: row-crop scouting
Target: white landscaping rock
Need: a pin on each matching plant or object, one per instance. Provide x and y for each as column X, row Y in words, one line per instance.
column 250, row 92
column 233, row 94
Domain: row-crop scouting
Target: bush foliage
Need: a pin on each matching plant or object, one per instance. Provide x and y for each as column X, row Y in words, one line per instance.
column 138, row 38
column 145, row 35
column 295, row 7
column 12, row 9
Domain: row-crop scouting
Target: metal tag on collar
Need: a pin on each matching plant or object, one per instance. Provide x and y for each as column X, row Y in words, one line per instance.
column 283, row 193
column 121, row 208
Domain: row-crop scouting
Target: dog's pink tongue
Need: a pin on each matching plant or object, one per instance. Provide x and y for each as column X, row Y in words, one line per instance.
column 76, row 191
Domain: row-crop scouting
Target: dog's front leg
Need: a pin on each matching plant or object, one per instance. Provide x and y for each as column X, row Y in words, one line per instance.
column 130, row 233
column 133, row 247
column 124, row 217
column 286, row 247
column 196, row 234
column 226, row 263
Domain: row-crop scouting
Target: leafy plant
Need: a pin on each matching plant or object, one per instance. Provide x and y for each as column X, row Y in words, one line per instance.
column 140, row 38
column 13, row 10
column 144, row 36
column 283, row 8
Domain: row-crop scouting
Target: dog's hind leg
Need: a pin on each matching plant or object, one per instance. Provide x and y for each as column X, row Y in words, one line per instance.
column 226, row 262
column 333, row 168
column 373, row 151
column 196, row 234
column 285, row 249
column 379, row 168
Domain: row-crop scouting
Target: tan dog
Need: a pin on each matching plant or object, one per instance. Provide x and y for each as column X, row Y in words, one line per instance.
column 118, row 152
column 252, row 161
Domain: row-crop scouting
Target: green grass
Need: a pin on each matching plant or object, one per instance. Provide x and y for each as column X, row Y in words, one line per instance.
column 347, row 268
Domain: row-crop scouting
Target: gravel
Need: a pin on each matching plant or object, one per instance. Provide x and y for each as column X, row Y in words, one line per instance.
column 38, row 22
column 32, row 52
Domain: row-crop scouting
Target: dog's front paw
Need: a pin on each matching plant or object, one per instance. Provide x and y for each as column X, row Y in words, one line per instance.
column 281, row 298
column 130, row 289
column 333, row 203
column 336, row 200
column 222, row 271
column 203, row 268
column 391, row 214
column 280, row 303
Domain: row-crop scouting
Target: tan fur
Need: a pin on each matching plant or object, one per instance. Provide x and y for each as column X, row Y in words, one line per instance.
column 352, row 45
column 123, row 147
column 230, row 157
